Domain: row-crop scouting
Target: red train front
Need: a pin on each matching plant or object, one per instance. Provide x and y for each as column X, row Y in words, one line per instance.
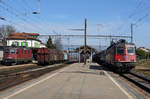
column 16, row 55
column 121, row 56
column 125, row 54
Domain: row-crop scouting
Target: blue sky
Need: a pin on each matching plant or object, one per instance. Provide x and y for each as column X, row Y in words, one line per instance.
column 104, row 17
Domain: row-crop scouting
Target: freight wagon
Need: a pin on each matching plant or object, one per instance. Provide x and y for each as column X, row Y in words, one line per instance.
column 47, row 56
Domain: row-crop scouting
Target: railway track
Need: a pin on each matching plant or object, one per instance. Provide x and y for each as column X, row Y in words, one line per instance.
column 8, row 80
column 141, row 81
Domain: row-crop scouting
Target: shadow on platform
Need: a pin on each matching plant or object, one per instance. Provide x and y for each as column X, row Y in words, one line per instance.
column 99, row 67
column 96, row 67
column 143, row 69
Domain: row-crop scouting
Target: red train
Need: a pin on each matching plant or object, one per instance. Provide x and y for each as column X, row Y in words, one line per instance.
column 47, row 56
column 17, row 55
column 120, row 56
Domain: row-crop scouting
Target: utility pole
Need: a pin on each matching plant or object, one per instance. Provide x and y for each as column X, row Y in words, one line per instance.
column 38, row 10
column 132, row 33
column 39, row 6
column 85, row 41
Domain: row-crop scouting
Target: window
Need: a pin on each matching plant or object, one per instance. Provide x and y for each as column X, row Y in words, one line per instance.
column 120, row 50
column 17, row 51
column 130, row 50
column 13, row 43
column 12, row 51
column 25, row 52
column 17, row 43
column 6, row 51
column 26, row 44
column 21, row 43
column 22, row 51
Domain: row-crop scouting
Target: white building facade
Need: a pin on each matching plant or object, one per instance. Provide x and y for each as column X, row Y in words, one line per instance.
column 27, row 43
column 20, row 39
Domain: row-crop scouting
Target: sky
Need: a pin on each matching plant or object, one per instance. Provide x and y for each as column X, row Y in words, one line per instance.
column 104, row 17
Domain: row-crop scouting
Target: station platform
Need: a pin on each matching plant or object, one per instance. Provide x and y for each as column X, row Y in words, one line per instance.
column 76, row 81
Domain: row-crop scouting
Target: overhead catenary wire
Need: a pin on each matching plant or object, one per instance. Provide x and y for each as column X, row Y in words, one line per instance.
column 139, row 5
column 17, row 13
column 37, row 16
column 12, row 13
column 22, row 16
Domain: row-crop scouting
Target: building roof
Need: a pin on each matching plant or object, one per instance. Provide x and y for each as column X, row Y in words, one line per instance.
column 144, row 49
column 88, row 49
column 23, row 34
column 22, row 38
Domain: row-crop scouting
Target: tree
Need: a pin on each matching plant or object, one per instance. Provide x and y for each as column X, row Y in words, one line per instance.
column 5, row 30
column 58, row 43
column 142, row 54
column 50, row 44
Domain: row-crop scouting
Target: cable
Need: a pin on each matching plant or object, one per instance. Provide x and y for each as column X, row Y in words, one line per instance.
column 136, row 9
column 25, row 19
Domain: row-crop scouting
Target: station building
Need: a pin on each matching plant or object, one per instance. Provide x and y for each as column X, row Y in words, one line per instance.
column 25, row 39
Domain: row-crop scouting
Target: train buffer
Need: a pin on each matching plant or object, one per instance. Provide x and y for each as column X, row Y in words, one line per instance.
column 75, row 81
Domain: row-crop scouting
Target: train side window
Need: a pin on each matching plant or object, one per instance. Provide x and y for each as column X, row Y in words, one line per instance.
column 13, row 51
column 17, row 52
column 22, row 51
column 25, row 52
column 6, row 51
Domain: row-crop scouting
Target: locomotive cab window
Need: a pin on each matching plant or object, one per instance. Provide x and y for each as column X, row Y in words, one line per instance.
column 130, row 50
column 120, row 50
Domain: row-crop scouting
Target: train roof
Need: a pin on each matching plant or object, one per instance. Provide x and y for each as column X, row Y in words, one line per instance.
column 121, row 41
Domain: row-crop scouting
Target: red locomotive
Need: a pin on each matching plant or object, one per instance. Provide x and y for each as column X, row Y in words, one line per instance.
column 47, row 56
column 16, row 55
column 120, row 56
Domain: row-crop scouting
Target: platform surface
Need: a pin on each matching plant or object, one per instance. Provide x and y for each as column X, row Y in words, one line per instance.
column 77, row 81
